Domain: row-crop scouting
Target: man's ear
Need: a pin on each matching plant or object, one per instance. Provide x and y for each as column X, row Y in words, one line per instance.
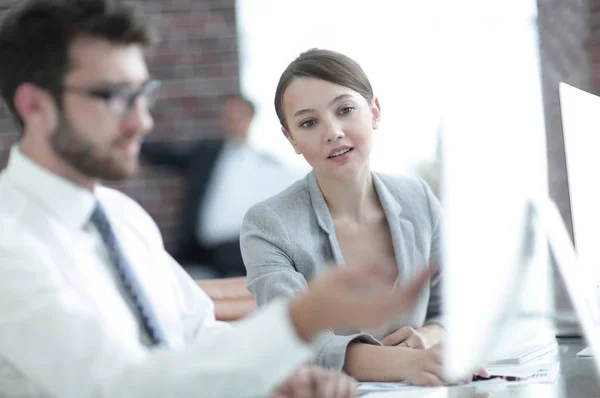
column 291, row 140
column 36, row 108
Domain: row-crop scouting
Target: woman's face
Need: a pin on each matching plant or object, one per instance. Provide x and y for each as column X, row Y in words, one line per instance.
column 330, row 125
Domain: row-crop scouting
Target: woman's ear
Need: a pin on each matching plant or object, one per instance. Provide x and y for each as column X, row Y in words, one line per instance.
column 291, row 140
column 376, row 111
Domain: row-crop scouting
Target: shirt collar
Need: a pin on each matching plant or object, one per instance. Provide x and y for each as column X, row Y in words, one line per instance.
column 69, row 202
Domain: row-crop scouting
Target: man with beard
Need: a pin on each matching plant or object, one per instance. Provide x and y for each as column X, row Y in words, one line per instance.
column 90, row 302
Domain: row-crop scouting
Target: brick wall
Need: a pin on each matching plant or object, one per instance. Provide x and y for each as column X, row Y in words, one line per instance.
column 7, row 129
column 594, row 41
column 564, row 52
column 569, row 40
column 197, row 61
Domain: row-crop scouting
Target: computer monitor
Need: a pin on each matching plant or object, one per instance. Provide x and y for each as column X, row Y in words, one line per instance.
column 499, row 223
column 580, row 113
column 495, row 260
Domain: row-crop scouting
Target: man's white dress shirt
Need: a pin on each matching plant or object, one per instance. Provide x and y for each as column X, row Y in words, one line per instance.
column 68, row 330
column 242, row 177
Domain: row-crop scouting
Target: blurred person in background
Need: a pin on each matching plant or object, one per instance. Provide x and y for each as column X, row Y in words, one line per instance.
column 225, row 176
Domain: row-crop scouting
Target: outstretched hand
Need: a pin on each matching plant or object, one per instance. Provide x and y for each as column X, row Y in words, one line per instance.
column 353, row 298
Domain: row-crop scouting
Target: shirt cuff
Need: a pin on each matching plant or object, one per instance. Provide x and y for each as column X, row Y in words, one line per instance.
column 282, row 333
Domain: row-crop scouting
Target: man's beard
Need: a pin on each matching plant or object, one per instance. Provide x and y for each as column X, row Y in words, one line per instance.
column 83, row 157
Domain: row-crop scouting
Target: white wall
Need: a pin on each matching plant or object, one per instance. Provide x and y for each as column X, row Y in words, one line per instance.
column 402, row 45
column 388, row 39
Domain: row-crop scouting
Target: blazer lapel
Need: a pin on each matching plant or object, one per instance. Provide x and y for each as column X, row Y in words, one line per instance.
column 401, row 230
column 324, row 216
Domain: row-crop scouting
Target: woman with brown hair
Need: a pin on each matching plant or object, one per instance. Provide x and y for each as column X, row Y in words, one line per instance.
column 344, row 214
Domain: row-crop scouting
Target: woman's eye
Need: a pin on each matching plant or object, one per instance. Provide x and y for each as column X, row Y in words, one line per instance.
column 308, row 123
column 346, row 109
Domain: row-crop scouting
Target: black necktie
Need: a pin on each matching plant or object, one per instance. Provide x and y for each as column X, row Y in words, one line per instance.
column 127, row 275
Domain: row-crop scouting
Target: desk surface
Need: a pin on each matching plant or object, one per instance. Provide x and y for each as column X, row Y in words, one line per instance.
column 577, row 379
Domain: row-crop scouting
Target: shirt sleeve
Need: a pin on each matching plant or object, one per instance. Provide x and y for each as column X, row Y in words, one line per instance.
column 60, row 342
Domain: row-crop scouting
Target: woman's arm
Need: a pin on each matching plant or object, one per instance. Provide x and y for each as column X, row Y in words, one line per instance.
column 267, row 250
column 265, row 244
column 393, row 364
column 434, row 307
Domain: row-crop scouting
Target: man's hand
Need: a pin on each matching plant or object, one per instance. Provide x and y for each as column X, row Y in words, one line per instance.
column 421, row 338
column 315, row 382
column 353, row 298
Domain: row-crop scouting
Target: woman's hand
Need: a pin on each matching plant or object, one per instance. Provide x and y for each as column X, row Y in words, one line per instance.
column 421, row 338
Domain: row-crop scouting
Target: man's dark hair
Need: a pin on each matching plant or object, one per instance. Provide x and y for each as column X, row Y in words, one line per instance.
column 35, row 39
column 239, row 97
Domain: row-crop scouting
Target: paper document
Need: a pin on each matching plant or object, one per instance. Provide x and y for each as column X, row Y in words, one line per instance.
column 373, row 386
column 585, row 353
column 540, row 373
column 437, row 392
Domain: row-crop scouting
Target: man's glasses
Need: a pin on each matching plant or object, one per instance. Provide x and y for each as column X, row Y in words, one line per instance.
column 121, row 100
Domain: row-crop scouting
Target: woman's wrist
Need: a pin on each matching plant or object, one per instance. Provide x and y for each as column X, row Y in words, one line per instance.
column 367, row 362
column 433, row 332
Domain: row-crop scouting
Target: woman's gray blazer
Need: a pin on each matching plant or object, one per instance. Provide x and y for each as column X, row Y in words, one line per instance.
column 288, row 239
